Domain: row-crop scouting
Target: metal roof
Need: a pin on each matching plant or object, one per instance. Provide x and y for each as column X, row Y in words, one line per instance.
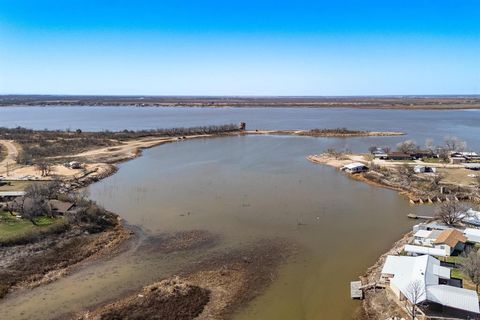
column 427, row 271
column 422, row 233
column 453, row 297
column 12, row 193
column 410, row 248
column 354, row 165
column 473, row 235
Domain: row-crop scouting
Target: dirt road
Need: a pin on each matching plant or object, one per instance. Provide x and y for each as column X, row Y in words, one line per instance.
column 10, row 158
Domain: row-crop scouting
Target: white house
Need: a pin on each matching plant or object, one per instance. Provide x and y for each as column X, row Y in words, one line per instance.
column 355, row 167
column 400, row 272
column 380, row 153
column 425, row 237
column 437, row 243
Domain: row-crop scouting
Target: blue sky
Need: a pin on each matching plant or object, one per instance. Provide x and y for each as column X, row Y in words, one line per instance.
column 240, row 47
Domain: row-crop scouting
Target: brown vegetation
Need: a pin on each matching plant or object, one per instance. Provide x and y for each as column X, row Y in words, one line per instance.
column 212, row 288
column 167, row 299
column 37, row 145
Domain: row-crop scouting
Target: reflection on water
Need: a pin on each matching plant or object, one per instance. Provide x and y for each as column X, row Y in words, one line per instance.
column 245, row 189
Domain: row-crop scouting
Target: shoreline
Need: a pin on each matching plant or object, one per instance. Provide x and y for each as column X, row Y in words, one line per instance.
column 102, row 162
column 122, row 237
column 416, row 195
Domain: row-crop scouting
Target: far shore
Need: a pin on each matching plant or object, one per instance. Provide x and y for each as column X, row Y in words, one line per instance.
column 360, row 102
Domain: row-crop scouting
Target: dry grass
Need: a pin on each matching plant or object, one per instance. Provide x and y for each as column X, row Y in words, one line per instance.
column 458, row 176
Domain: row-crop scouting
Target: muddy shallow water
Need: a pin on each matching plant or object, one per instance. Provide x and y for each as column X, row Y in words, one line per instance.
column 246, row 189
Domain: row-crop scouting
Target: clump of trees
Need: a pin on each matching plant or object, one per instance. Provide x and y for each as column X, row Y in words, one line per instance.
column 339, row 131
column 407, row 146
column 454, row 144
column 337, row 154
column 35, row 202
column 86, row 213
column 89, row 215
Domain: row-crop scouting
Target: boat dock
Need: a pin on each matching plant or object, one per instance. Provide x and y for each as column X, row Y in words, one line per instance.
column 414, row 216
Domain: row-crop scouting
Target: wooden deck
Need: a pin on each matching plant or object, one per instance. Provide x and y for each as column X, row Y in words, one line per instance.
column 355, row 290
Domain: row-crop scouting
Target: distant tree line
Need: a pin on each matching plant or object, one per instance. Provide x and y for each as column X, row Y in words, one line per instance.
column 339, row 131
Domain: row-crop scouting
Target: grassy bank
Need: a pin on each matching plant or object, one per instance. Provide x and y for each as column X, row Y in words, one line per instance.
column 13, row 229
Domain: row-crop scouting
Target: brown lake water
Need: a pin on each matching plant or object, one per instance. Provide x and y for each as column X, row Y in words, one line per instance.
column 248, row 189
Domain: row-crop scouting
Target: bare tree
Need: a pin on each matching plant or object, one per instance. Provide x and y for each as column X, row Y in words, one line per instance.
column 406, row 171
column 430, row 145
column 451, row 212
column 44, row 191
column 454, row 144
column 444, row 154
column 372, row 149
column 44, row 167
column 407, row 146
column 334, row 153
column 415, row 294
column 436, row 180
column 470, row 266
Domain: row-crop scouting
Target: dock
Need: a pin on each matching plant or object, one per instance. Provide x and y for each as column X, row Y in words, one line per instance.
column 414, row 216
column 355, row 290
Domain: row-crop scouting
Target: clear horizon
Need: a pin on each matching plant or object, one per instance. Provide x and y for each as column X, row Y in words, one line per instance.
column 248, row 48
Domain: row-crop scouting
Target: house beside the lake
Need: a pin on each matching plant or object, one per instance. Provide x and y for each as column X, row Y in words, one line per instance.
column 355, row 167
column 441, row 243
column 431, row 282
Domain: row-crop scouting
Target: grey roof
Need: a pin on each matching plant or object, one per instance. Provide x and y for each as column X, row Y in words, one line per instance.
column 12, row 193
